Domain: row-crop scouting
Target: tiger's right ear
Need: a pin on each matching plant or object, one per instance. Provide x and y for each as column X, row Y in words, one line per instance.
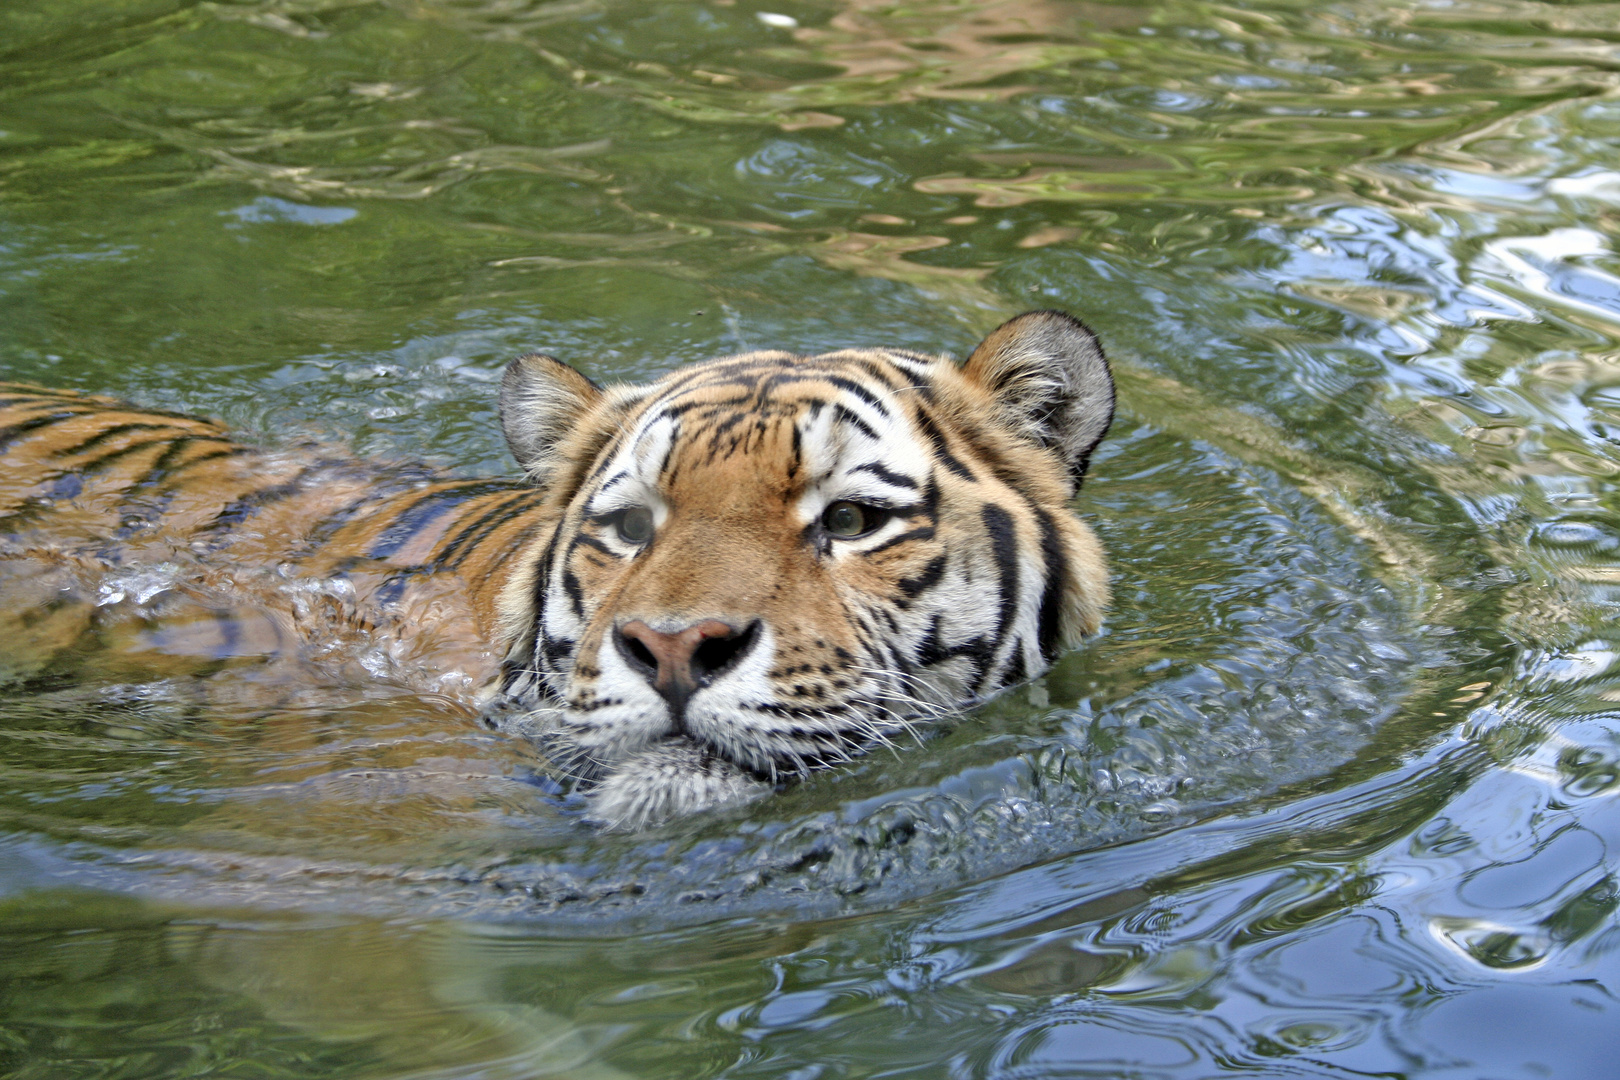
column 542, row 401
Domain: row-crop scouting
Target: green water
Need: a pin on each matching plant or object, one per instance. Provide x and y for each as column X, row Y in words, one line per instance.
column 1335, row 795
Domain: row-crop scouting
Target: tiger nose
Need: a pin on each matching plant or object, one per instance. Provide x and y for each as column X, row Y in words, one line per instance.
column 681, row 663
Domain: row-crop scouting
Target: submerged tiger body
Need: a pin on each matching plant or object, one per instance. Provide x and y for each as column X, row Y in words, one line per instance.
column 748, row 569
column 237, row 555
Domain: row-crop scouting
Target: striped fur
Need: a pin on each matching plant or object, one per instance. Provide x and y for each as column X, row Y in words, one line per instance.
column 748, row 569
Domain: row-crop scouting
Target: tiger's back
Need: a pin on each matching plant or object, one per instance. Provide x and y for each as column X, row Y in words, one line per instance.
column 234, row 553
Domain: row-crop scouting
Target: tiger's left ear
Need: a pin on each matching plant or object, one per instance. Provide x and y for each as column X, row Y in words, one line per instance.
column 542, row 401
column 1050, row 383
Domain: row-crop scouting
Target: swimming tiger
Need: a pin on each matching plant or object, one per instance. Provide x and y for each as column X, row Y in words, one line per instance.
column 705, row 586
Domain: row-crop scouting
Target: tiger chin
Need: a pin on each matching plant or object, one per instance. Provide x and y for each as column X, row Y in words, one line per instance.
column 766, row 564
column 705, row 586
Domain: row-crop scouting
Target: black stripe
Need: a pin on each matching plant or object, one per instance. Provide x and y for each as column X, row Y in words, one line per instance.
column 520, row 542
column 512, row 671
column 859, row 391
column 26, row 513
column 979, row 651
column 1057, row 571
column 426, row 510
column 925, row 532
column 877, row 374
column 160, row 467
column 106, row 434
column 930, row 576
column 894, row 479
column 1016, row 670
column 800, row 712
column 66, row 486
column 902, row 360
column 732, row 371
column 669, row 453
column 853, row 420
column 791, row 378
column 726, row 425
column 239, row 510
column 12, row 432
column 412, row 520
column 482, row 526
column 330, row 523
column 604, row 454
column 234, row 451
column 931, row 432
column 576, row 595
column 35, row 399
column 542, row 579
column 930, row 650
column 473, row 543
column 162, row 470
column 554, row 650
column 680, row 409
column 99, row 463
column 585, row 540
column 928, row 508
column 1004, row 549
column 898, row 661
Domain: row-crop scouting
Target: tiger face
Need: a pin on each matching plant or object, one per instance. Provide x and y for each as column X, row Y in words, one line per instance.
column 767, row 563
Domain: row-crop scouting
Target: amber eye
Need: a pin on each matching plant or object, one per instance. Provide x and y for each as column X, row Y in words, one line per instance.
column 850, row 519
column 635, row 525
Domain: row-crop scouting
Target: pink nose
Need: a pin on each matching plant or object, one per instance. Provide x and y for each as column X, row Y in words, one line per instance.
column 679, row 664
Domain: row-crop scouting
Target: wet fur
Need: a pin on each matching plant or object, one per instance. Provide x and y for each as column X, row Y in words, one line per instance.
column 978, row 578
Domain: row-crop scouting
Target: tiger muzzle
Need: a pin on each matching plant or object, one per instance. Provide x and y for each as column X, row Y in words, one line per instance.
column 679, row 664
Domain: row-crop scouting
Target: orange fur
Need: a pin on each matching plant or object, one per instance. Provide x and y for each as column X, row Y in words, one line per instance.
column 844, row 543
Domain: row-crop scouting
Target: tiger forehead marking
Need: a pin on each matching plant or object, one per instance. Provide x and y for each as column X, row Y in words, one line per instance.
column 767, row 563
column 737, row 469
column 715, row 447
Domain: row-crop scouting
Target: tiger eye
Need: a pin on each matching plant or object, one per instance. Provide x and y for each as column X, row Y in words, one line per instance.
column 844, row 519
column 636, row 525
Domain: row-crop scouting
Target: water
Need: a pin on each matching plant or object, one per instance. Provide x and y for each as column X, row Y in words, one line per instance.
column 1333, row 796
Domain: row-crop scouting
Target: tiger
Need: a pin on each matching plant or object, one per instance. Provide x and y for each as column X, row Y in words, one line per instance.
column 701, row 589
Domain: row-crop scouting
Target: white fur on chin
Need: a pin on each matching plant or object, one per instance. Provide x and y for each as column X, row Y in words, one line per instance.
column 669, row 779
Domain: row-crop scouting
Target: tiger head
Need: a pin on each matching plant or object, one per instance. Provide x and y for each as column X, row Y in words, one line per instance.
column 766, row 563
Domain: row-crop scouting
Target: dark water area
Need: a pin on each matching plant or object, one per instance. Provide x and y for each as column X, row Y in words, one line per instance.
column 1331, row 796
